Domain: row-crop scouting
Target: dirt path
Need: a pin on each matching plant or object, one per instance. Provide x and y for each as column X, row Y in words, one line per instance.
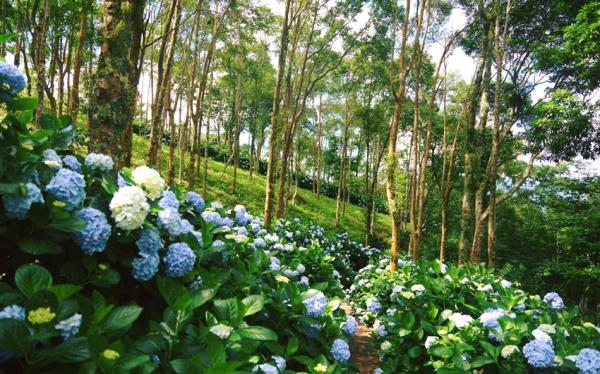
column 364, row 356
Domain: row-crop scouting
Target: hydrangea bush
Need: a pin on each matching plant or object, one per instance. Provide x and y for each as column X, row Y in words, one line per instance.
column 447, row 319
column 109, row 270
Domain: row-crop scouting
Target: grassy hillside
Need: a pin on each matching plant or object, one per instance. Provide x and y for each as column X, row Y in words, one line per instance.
column 251, row 193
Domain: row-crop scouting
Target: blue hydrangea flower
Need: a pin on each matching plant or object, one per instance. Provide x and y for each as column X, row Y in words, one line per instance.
column 98, row 161
column 13, row 312
column 373, row 305
column 539, row 354
column 170, row 220
column 121, row 182
column 490, row 317
column 67, row 186
column 17, row 206
column 340, row 351
column 95, row 235
column 554, row 301
column 186, row 227
column 149, row 242
column 227, row 222
column 69, row 327
column 350, row 327
column 588, row 361
column 11, row 78
column 316, row 305
column 275, row 265
column 218, row 243
column 168, row 201
column 145, row 267
column 179, row 260
column 213, row 218
column 265, row 369
column 198, row 237
column 241, row 216
column 279, row 362
column 51, row 158
column 304, row 280
column 378, row 371
column 196, row 201
column 72, row 163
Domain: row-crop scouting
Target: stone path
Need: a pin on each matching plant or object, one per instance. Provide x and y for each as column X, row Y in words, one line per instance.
column 364, row 355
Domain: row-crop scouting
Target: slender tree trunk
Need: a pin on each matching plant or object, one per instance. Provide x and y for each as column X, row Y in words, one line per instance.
column 275, row 117
column 207, row 141
column 236, row 135
column 342, row 179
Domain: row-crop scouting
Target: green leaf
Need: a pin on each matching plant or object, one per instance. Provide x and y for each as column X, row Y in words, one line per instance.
column 227, row 309
column 70, row 224
column 39, row 247
column 200, row 297
column 121, row 317
column 32, row 278
column 72, row 350
column 12, row 188
column 171, row 290
column 22, row 103
column 13, row 336
column 480, row 361
column 292, row 346
column 64, row 291
column 258, row 333
column 254, row 304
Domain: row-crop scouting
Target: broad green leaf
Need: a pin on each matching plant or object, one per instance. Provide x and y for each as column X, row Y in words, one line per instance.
column 64, row 291
column 39, row 247
column 121, row 317
column 254, row 304
column 258, row 333
column 32, row 278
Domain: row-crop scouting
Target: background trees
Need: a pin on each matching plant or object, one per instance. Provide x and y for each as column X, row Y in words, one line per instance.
column 355, row 100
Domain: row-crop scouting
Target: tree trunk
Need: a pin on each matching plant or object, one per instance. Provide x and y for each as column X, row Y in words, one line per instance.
column 342, row 179
column 111, row 92
column 275, row 117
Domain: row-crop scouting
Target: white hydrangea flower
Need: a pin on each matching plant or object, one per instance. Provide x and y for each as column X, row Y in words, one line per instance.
column 150, row 180
column 216, row 205
column 99, row 161
column 485, row 288
column 418, row 289
column 430, row 341
column 505, row 284
column 508, row 350
column 386, row 345
column 460, row 320
column 129, row 207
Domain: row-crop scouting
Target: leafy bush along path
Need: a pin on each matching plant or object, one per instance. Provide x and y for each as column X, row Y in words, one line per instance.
column 361, row 346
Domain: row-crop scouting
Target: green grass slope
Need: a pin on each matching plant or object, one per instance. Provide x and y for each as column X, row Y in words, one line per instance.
column 251, row 193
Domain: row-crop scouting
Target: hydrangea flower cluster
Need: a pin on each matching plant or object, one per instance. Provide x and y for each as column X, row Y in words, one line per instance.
column 242, row 217
column 95, row 235
column 149, row 180
column 51, row 159
column 588, row 361
column 67, row 186
column 69, row 327
column 170, row 220
column 316, row 305
column 98, row 161
column 554, row 301
column 17, row 206
column 11, row 78
column 213, row 218
column 460, row 320
column 539, row 354
column 149, row 242
column 196, row 201
column 373, row 305
column 72, row 163
column 179, row 260
column 13, row 312
column 350, row 327
column 340, row 351
column 129, row 207
column 145, row 267
column 168, row 201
